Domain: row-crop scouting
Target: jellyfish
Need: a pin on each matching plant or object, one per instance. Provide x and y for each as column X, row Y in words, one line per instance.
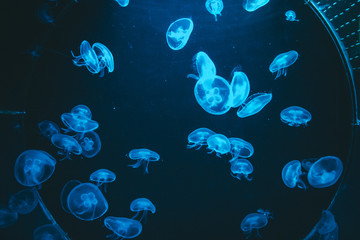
column 90, row 144
column 240, row 148
column 307, row 163
column 295, row 116
column 254, row 104
column 65, row 193
column 48, row 128
column 123, row 3
column 252, row 5
column 178, row 33
column 291, row 16
column 254, row 221
column 325, row 172
column 34, row 167
column 105, row 57
column 81, row 111
column 218, row 143
column 24, row 201
column 198, row 137
column 240, row 87
column 87, row 58
column 214, row 7
column 67, row 144
column 241, row 168
column 122, row 227
column 77, row 123
column 325, row 229
column 143, row 156
column 86, row 202
column 7, row 216
column 143, row 205
column 291, row 175
column 102, row 176
column 282, row 62
column 204, row 66
column 47, row 232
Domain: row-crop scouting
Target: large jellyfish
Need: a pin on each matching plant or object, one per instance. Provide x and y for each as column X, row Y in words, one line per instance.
column 143, row 205
column 67, row 144
column 325, row 229
column 7, row 216
column 218, row 143
column 240, row 148
column 90, row 144
column 241, row 168
column 282, row 62
column 122, row 227
column 291, row 174
column 24, row 201
column 325, row 172
column 254, row 221
column 254, row 104
column 48, row 128
column 214, row 7
column 295, row 116
column 179, row 32
column 198, row 137
column 204, row 66
column 252, row 5
column 240, row 87
column 143, row 156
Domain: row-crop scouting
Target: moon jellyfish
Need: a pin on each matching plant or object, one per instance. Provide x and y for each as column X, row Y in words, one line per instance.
column 241, row 168
column 123, row 3
column 218, row 143
column 143, row 156
column 178, row 33
column 254, row 221
column 254, row 104
column 105, row 57
column 7, row 216
column 143, row 205
column 204, row 66
column 102, row 176
column 90, row 144
column 34, row 167
column 122, row 227
column 198, row 137
column 87, row 58
column 67, row 144
column 65, row 193
column 252, row 5
column 240, row 87
column 325, row 229
column 47, row 232
column 291, row 175
column 78, row 124
column 86, row 202
column 307, row 163
column 24, row 201
column 48, row 128
column 214, row 7
column 325, row 172
column 240, row 148
column 295, row 116
column 81, row 111
column 291, row 16
column 282, row 62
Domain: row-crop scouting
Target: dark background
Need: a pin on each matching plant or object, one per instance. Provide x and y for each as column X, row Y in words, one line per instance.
column 147, row 102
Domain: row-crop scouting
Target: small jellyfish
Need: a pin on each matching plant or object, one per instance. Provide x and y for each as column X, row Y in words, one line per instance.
column 291, row 175
column 198, row 137
column 291, row 16
column 307, row 163
column 122, row 227
column 254, row 221
column 86, row 202
column 204, row 66
column 48, row 128
column 87, row 58
column 325, row 172
column 240, row 87
column 90, row 144
column 254, row 104
column 252, row 5
column 67, row 144
column 218, row 143
column 24, row 201
column 81, row 111
column 143, row 156
column 282, row 62
column 77, row 123
column 178, row 33
column 105, row 57
column 65, row 193
column 34, row 167
column 102, row 177
column 240, row 148
column 241, row 168
column 214, row 7
column 7, row 216
column 123, row 3
column 325, row 229
column 143, row 205
column 47, row 232
column 295, row 116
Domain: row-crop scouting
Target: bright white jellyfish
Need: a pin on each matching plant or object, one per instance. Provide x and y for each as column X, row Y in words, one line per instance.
column 252, row 5
column 282, row 62
column 240, row 87
column 291, row 16
column 254, row 104
column 295, row 116
column 214, row 7
column 122, row 3
column 179, row 32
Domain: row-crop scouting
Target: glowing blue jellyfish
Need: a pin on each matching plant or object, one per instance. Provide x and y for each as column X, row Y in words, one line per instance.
column 90, row 144
column 105, row 57
column 254, row 104
column 65, row 193
column 87, row 58
column 295, row 116
column 143, row 205
column 240, row 148
column 254, row 221
column 122, row 227
column 291, row 16
column 7, row 216
column 81, row 111
column 307, row 163
column 218, row 143
column 241, row 168
column 325, row 229
column 123, row 3
column 240, row 87
column 48, row 128
column 214, row 7
column 204, row 66
column 67, row 144
column 78, row 124
column 102, row 176
column 282, row 62
column 24, row 201
column 252, row 5
column 47, row 232
column 86, row 202
column 34, row 167
column 291, row 174
column 198, row 137
column 178, row 33
column 143, row 156
column 325, row 172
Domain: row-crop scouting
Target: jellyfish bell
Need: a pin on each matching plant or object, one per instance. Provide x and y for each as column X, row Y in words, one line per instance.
column 204, row 66
column 295, row 116
column 123, row 3
column 65, row 193
column 48, row 128
column 240, row 148
column 178, row 33
column 214, row 7
column 291, row 175
column 143, row 205
column 67, row 144
column 102, row 177
column 122, row 227
column 81, row 111
column 24, row 201
column 90, row 144
column 105, row 57
column 240, row 87
column 198, row 137
column 219, row 143
column 325, row 172
column 7, row 216
column 282, row 61
column 254, row 221
column 241, row 168
column 143, row 156
column 78, row 124
column 291, row 16
column 47, row 232
column 253, row 104
column 87, row 58
column 253, row 5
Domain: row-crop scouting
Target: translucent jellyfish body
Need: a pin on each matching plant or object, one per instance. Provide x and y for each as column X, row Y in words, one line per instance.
column 90, row 144
column 86, row 202
column 65, row 193
column 87, row 58
column 218, row 143
column 204, row 66
column 122, row 227
column 24, row 201
column 81, row 111
column 178, row 33
column 102, row 176
column 123, row 3
column 254, row 221
column 34, row 167
column 253, row 5
column 254, row 104
column 48, row 128
column 291, row 175
column 240, row 148
column 326, row 228
column 7, row 216
column 67, row 144
column 105, row 57
column 143, row 205
column 241, row 168
column 47, row 232
column 76, row 123
column 282, row 61
column 143, row 156
column 295, row 116
column 240, row 87
column 198, row 137
column 290, row 16
column 214, row 7
column 325, row 172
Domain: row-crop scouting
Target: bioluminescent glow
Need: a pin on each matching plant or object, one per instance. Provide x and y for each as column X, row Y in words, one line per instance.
column 240, row 87
column 219, row 144
column 65, row 193
column 254, row 221
column 81, row 111
column 78, row 124
column 307, row 163
column 240, row 148
column 214, row 7
column 253, row 5
column 254, row 104
column 241, row 168
column 143, row 205
column 105, row 57
column 122, row 227
column 291, row 16
column 67, row 144
column 325, row 172
column 178, row 33
column 198, row 137
column 102, row 176
column 90, row 144
column 48, row 128
column 295, row 116
column 204, row 66
column 282, row 61
column 291, row 175
column 47, row 232
column 326, row 228
column 24, row 201
column 7, row 216
column 123, row 3
column 143, row 156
